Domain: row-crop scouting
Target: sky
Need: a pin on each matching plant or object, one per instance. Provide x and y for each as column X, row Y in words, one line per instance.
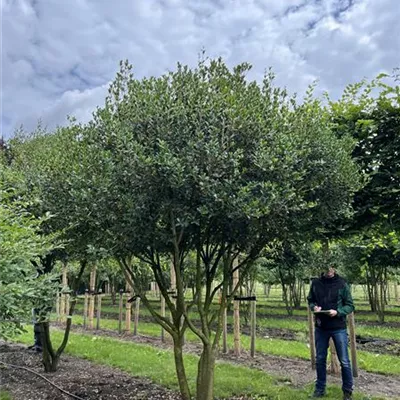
column 59, row 56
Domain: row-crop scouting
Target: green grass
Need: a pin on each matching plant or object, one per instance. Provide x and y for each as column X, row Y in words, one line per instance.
column 372, row 362
column 150, row 362
column 5, row 395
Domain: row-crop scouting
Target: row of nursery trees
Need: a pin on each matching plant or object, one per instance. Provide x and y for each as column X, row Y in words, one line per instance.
column 213, row 174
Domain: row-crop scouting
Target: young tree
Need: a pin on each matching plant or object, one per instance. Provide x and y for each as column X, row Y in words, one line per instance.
column 21, row 242
column 52, row 169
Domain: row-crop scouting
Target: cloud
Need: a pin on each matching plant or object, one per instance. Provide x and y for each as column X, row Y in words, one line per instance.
column 59, row 57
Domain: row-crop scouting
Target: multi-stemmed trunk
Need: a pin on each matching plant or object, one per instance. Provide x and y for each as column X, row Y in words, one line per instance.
column 180, row 367
column 205, row 374
column 376, row 289
column 51, row 357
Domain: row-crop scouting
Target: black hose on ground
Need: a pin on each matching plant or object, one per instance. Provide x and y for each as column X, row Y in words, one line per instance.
column 43, row 377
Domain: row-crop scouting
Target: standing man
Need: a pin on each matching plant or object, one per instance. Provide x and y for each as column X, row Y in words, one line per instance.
column 331, row 294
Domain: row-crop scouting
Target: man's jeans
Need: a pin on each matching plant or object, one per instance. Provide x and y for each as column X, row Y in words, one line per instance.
column 340, row 339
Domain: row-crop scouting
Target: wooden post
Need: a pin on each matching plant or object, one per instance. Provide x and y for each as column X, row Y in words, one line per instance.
column 63, row 303
column 236, row 311
column 92, row 286
column 98, row 309
column 85, row 308
column 311, row 338
column 163, row 315
column 58, row 306
column 225, row 331
column 136, row 321
column 396, row 292
column 153, row 288
column 335, row 366
column 128, row 313
column 253, row 329
column 121, row 299
column 67, row 304
column 353, row 349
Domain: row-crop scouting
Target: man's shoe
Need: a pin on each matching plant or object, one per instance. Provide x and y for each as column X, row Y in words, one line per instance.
column 347, row 396
column 317, row 394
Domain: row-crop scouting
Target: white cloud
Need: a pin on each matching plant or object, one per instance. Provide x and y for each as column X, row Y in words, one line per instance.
column 58, row 57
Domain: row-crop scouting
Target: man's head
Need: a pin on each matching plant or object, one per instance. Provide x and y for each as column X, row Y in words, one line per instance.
column 329, row 271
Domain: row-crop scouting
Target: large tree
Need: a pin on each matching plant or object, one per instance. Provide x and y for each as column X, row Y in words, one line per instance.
column 202, row 161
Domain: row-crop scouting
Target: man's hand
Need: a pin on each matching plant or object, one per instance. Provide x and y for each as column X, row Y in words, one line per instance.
column 332, row 313
column 317, row 308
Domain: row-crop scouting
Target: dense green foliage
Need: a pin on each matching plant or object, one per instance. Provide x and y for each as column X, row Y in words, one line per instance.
column 21, row 243
column 183, row 178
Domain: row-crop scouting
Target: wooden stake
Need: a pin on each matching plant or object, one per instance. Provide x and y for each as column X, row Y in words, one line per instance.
column 67, row 304
column 128, row 313
column 58, row 306
column 121, row 299
column 253, row 329
column 396, row 292
column 63, row 303
column 85, row 308
column 92, row 286
column 335, row 366
column 353, row 349
column 136, row 321
column 311, row 335
column 98, row 314
column 236, row 312
column 163, row 315
column 225, row 331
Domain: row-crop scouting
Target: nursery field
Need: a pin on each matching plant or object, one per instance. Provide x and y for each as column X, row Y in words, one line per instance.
column 104, row 363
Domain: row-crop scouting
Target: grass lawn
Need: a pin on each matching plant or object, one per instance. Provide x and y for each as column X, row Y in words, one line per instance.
column 372, row 362
column 146, row 361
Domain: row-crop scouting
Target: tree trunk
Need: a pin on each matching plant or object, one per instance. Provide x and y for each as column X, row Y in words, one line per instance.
column 49, row 358
column 370, row 291
column 296, row 289
column 205, row 374
column 180, row 369
column 285, row 293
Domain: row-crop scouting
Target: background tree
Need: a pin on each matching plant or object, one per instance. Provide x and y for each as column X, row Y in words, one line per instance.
column 370, row 113
column 21, row 242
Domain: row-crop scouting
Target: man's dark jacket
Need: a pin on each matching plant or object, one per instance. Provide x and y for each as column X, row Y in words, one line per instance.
column 331, row 294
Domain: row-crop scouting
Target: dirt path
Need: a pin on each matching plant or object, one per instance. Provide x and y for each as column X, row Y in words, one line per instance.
column 296, row 372
column 82, row 378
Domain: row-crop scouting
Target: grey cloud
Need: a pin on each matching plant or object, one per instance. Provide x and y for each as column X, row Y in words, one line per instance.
column 58, row 57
